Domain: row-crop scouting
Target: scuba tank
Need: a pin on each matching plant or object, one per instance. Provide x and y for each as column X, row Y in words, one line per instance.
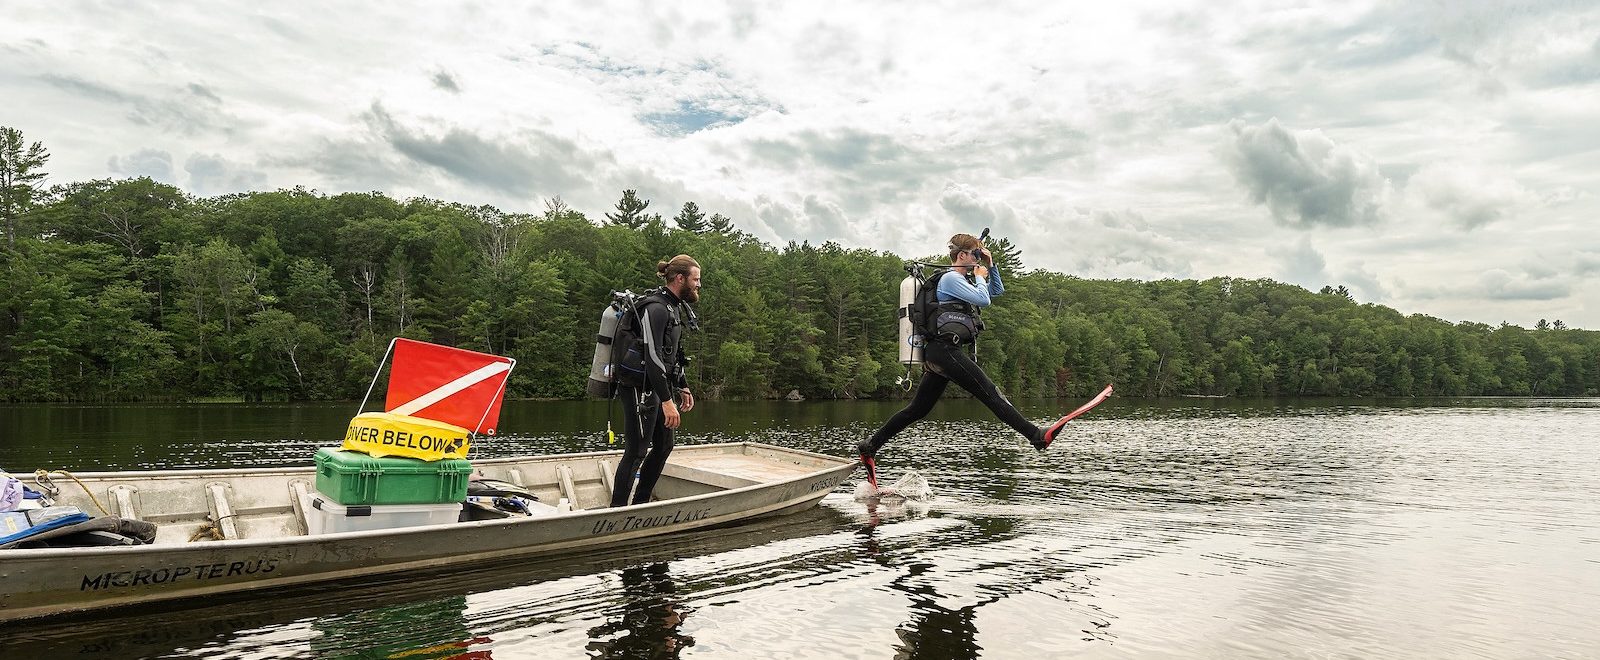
column 602, row 369
column 911, row 338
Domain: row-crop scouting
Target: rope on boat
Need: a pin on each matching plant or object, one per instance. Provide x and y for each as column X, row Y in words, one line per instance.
column 213, row 531
column 42, row 478
column 208, row 532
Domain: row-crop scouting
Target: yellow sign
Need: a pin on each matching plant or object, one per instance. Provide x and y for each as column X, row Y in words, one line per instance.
column 387, row 434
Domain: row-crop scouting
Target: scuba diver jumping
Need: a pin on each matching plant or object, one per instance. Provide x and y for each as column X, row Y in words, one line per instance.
column 948, row 315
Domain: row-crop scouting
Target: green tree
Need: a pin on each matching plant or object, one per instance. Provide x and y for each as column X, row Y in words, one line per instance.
column 448, row 288
column 128, row 289
column 279, row 347
column 19, row 176
column 134, row 215
column 552, row 369
column 312, row 294
column 133, row 358
column 212, row 296
column 397, row 297
column 630, row 211
column 691, row 219
column 1007, row 257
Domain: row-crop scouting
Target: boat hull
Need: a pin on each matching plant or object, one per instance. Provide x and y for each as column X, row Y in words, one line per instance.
column 46, row 582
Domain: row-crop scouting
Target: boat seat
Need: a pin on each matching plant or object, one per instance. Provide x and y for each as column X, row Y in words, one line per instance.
column 222, row 514
column 569, row 488
column 606, row 472
column 707, row 477
column 299, row 491
column 122, row 499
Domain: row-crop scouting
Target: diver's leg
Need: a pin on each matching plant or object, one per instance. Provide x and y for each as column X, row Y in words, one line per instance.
column 636, row 442
column 966, row 373
column 928, row 392
column 654, row 462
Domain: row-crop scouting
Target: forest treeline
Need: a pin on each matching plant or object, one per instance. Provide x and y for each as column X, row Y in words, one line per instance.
column 128, row 290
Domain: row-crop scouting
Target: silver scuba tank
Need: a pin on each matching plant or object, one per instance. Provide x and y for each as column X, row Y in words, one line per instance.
column 911, row 339
column 602, row 370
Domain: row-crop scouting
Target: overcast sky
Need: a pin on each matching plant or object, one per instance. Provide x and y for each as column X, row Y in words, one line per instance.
column 1438, row 157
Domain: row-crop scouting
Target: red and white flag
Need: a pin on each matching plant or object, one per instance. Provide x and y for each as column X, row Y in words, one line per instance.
column 450, row 385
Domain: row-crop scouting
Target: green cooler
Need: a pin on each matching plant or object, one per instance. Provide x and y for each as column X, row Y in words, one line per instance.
column 348, row 478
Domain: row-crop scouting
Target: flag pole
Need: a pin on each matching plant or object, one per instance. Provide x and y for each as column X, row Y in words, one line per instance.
column 375, row 375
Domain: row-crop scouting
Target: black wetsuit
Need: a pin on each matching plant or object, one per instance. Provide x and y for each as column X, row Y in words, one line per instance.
column 647, row 439
column 945, row 361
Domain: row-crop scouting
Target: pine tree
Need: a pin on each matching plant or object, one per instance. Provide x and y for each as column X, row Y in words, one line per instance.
column 630, row 210
column 691, row 218
column 1007, row 257
column 18, row 165
column 720, row 224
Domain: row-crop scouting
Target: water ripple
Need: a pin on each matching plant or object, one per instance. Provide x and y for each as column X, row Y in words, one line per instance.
column 1211, row 528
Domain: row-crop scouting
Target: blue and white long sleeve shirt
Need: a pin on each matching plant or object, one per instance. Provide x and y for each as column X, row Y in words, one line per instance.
column 978, row 292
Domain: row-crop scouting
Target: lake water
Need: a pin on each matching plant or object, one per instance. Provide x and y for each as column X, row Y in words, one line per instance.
column 1187, row 527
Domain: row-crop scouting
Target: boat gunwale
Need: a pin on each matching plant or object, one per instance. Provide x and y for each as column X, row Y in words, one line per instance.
column 293, row 469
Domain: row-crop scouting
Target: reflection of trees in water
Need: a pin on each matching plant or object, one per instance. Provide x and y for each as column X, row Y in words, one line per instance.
column 647, row 619
column 937, row 631
column 435, row 629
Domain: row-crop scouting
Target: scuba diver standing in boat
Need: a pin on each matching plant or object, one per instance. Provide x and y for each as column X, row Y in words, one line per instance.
column 651, row 379
column 952, row 327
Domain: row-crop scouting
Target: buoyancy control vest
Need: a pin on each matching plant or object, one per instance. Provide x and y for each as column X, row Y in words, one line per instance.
column 926, row 318
column 620, row 346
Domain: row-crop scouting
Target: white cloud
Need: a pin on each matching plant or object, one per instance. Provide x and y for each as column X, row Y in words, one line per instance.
column 1093, row 243
column 446, row 81
column 1502, row 285
column 1301, row 264
column 1304, row 178
column 1468, row 198
column 1110, row 140
column 973, row 210
column 152, row 163
column 823, row 217
column 211, row 174
column 1365, row 283
column 1587, row 264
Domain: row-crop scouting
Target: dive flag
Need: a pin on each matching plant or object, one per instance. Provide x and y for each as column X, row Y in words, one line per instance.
column 450, row 385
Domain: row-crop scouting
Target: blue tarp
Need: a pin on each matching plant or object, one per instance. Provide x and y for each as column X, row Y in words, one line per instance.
column 18, row 525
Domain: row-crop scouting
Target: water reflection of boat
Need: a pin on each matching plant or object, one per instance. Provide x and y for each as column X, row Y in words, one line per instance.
column 223, row 531
column 522, row 590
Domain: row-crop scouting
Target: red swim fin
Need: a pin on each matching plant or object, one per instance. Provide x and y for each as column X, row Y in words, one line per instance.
column 1050, row 433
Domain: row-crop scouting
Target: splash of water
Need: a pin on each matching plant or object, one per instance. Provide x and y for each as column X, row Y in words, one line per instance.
column 911, row 486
